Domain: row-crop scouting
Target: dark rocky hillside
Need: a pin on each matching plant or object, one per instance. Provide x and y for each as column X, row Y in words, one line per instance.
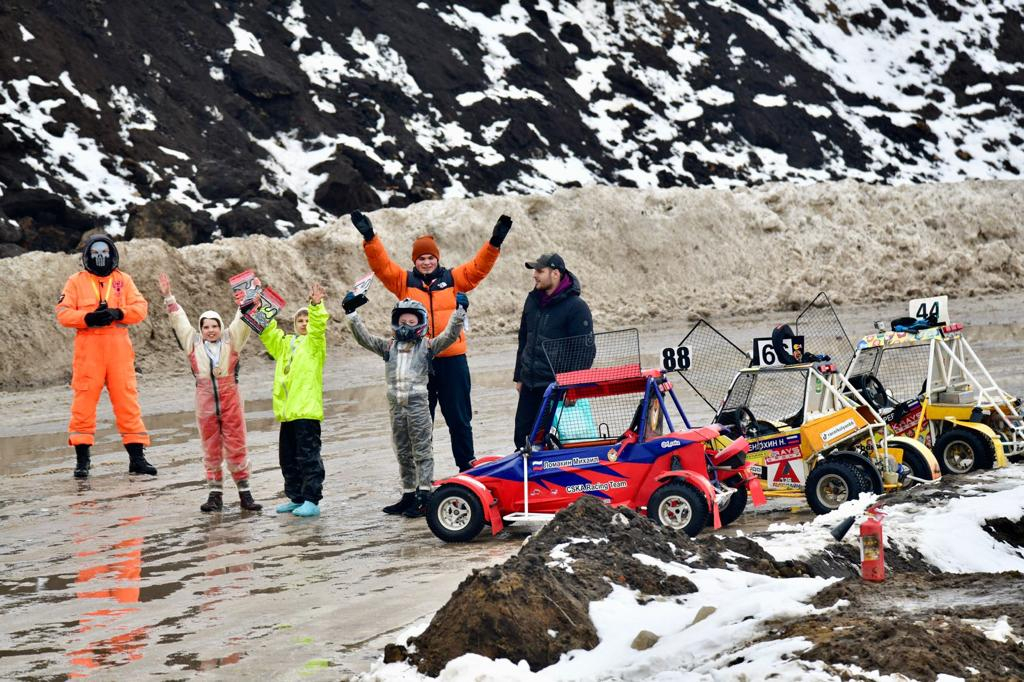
column 189, row 119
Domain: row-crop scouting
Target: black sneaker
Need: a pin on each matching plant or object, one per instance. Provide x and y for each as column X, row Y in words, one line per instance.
column 215, row 502
column 400, row 507
column 82, row 464
column 419, row 507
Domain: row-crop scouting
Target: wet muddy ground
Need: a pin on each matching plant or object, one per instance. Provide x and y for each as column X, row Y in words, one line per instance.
column 122, row 576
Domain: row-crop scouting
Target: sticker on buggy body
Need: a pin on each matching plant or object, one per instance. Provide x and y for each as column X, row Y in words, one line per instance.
column 781, row 445
column 595, row 487
column 907, row 423
column 840, row 429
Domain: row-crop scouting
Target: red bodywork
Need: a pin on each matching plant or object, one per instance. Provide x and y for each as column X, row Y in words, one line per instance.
column 623, row 471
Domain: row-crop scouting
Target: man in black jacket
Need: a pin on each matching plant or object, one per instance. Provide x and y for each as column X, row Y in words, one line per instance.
column 553, row 310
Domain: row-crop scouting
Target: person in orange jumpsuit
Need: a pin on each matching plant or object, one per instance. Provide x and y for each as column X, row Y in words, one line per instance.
column 99, row 303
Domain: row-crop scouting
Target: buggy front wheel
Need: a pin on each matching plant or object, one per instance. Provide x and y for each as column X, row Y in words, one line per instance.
column 832, row 483
column 679, row 506
column 455, row 514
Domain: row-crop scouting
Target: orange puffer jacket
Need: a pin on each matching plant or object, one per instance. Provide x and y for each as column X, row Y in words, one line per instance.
column 438, row 295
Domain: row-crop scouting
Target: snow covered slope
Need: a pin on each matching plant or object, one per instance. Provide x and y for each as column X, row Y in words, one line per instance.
column 269, row 116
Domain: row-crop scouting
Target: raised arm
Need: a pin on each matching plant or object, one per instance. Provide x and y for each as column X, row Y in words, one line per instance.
column 374, row 344
column 184, row 333
column 451, row 332
column 391, row 274
column 318, row 317
column 183, row 330
column 471, row 273
column 274, row 340
column 238, row 332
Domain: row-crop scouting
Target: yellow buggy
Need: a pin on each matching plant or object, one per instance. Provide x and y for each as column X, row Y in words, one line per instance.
column 810, row 432
column 929, row 384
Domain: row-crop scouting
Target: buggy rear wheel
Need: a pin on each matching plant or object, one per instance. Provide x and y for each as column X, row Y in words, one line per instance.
column 454, row 514
column 960, row 450
column 832, row 483
column 918, row 465
column 679, row 506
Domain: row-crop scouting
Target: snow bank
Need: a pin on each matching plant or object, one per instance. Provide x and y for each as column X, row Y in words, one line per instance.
column 641, row 255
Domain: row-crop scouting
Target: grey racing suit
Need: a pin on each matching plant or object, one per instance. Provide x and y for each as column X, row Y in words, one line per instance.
column 406, row 371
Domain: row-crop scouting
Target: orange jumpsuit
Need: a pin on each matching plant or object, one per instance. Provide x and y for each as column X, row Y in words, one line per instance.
column 103, row 355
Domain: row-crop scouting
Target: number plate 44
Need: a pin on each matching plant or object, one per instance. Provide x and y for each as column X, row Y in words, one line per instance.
column 937, row 306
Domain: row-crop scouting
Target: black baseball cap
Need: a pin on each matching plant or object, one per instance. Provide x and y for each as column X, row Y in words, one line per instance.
column 547, row 260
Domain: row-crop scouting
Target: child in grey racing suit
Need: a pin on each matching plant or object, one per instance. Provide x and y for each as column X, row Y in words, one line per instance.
column 407, row 357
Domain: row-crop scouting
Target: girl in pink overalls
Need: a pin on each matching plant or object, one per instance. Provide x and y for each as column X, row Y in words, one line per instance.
column 213, row 355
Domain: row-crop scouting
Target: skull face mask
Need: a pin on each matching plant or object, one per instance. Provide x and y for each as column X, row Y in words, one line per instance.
column 100, row 256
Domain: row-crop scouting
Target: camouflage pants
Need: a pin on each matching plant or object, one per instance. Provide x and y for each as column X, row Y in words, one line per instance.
column 412, row 433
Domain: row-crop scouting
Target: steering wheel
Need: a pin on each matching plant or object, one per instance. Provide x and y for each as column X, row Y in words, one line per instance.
column 746, row 422
column 874, row 393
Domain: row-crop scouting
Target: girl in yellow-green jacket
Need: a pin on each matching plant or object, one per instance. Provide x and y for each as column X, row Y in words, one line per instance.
column 299, row 403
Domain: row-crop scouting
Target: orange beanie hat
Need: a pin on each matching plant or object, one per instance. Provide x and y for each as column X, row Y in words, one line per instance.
column 424, row 245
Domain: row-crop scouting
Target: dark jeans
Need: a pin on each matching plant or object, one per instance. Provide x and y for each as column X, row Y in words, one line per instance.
column 301, row 465
column 530, row 400
column 449, row 385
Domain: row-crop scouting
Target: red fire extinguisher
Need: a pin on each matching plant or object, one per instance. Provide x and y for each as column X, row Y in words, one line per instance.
column 872, row 547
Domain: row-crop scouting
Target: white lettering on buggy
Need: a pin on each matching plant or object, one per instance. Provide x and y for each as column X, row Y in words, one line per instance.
column 592, row 487
column 574, row 462
column 838, row 430
column 665, row 444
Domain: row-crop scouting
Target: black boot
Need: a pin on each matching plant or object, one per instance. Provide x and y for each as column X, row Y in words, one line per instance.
column 419, row 506
column 82, row 465
column 407, row 501
column 137, row 463
column 215, row 502
column 248, row 504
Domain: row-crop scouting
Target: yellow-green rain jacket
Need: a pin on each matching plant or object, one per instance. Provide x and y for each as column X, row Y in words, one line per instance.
column 299, row 375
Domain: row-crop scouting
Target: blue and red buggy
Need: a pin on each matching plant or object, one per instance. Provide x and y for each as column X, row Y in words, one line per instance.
column 609, row 429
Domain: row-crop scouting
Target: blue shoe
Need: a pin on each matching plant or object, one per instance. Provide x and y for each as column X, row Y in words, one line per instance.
column 307, row 509
column 287, row 507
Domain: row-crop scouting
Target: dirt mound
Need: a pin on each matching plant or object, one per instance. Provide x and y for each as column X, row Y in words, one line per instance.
column 641, row 256
column 572, row 561
column 918, row 625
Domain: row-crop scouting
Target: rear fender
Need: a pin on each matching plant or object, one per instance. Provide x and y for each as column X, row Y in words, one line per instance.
column 863, row 462
column 699, row 482
column 992, row 436
column 904, row 443
column 492, row 514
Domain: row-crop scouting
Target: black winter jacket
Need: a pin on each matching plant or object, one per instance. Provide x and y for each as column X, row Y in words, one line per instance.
column 566, row 315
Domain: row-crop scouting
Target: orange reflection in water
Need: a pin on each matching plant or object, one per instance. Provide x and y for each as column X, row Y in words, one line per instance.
column 126, row 572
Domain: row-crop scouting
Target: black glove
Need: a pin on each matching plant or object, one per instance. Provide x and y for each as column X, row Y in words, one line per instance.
column 117, row 313
column 501, row 229
column 362, row 224
column 101, row 317
column 351, row 302
column 462, row 301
